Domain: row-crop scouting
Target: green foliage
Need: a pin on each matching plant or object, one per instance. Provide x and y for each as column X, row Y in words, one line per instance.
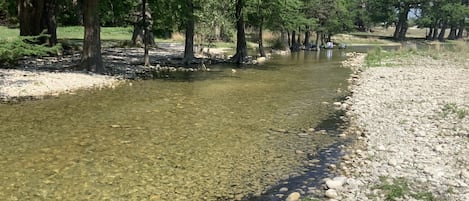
column 7, row 11
column 452, row 108
column 425, row 196
column 375, row 56
column 395, row 189
column 11, row 51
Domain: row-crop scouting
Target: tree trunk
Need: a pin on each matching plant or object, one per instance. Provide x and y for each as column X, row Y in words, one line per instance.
column 295, row 46
column 261, row 38
column 261, row 27
column 30, row 14
column 146, row 56
column 190, row 24
column 298, row 41
column 435, row 33
column 241, row 47
column 293, row 38
column 397, row 30
column 35, row 16
column 461, row 28
column 306, row 43
column 91, row 57
column 143, row 30
column 50, row 21
column 441, row 36
column 402, row 25
column 452, row 33
column 430, row 33
column 284, row 38
column 318, row 35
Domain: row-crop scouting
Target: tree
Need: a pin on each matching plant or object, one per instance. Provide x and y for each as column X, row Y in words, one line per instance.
column 35, row 16
column 146, row 57
column 190, row 26
column 285, row 17
column 257, row 12
column 91, row 57
column 439, row 15
column 143, row 25
column 241, row 47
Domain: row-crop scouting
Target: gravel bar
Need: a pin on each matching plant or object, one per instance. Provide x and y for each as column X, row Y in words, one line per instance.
column 412, row 122
column 23, row 84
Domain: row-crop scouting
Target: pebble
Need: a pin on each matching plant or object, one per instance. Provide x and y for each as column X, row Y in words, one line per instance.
column 283, row 190
column 299, row 152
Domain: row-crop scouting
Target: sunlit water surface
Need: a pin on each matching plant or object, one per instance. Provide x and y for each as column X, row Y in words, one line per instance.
column 211, row 137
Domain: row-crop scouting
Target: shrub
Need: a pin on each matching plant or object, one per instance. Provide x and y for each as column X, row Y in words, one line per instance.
column 13, row 50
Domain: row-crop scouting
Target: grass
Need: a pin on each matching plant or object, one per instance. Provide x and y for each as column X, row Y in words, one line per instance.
column 379, row 57
column 361, row 38
column 399, row 188
column 75, row 32
column 394, row 189
column 8, row 34
column 452, row 108
column 107, row 33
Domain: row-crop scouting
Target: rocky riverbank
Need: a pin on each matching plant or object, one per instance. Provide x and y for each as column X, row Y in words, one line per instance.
column 34, row 78
column 20, row 84
column 411, row 121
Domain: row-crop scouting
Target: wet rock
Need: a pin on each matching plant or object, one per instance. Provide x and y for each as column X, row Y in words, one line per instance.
column 283, row 190
column 299, row 152
column 303, row 134
column 295, row 196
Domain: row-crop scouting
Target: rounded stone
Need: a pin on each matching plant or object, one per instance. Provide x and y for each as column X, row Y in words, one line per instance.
column 295, row 196
column 331, row 193
column 283, row 189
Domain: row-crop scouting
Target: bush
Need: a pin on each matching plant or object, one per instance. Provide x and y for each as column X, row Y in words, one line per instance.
column 12, row 51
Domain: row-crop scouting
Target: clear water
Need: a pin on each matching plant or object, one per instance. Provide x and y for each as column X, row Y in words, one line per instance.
column 209, row 136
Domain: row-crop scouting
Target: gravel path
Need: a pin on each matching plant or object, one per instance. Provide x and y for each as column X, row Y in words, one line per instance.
column 412, row 122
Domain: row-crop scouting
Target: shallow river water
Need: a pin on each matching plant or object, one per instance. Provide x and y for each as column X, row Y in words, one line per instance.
column 218, row 135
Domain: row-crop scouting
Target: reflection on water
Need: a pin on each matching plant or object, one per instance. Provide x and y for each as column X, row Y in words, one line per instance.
column 221, row 136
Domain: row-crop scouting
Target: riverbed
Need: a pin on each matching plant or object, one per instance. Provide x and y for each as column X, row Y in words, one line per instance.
column 218, row 135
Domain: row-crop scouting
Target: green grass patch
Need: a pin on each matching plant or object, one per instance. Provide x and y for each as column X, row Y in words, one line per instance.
column 378, row 57
column 107, row 33
column 399, row 188
column 74, row 32
column 452, row 108
column 8, row 34
column 394, row 189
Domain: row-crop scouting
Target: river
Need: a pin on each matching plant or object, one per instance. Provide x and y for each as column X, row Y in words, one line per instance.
column 217, row 135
